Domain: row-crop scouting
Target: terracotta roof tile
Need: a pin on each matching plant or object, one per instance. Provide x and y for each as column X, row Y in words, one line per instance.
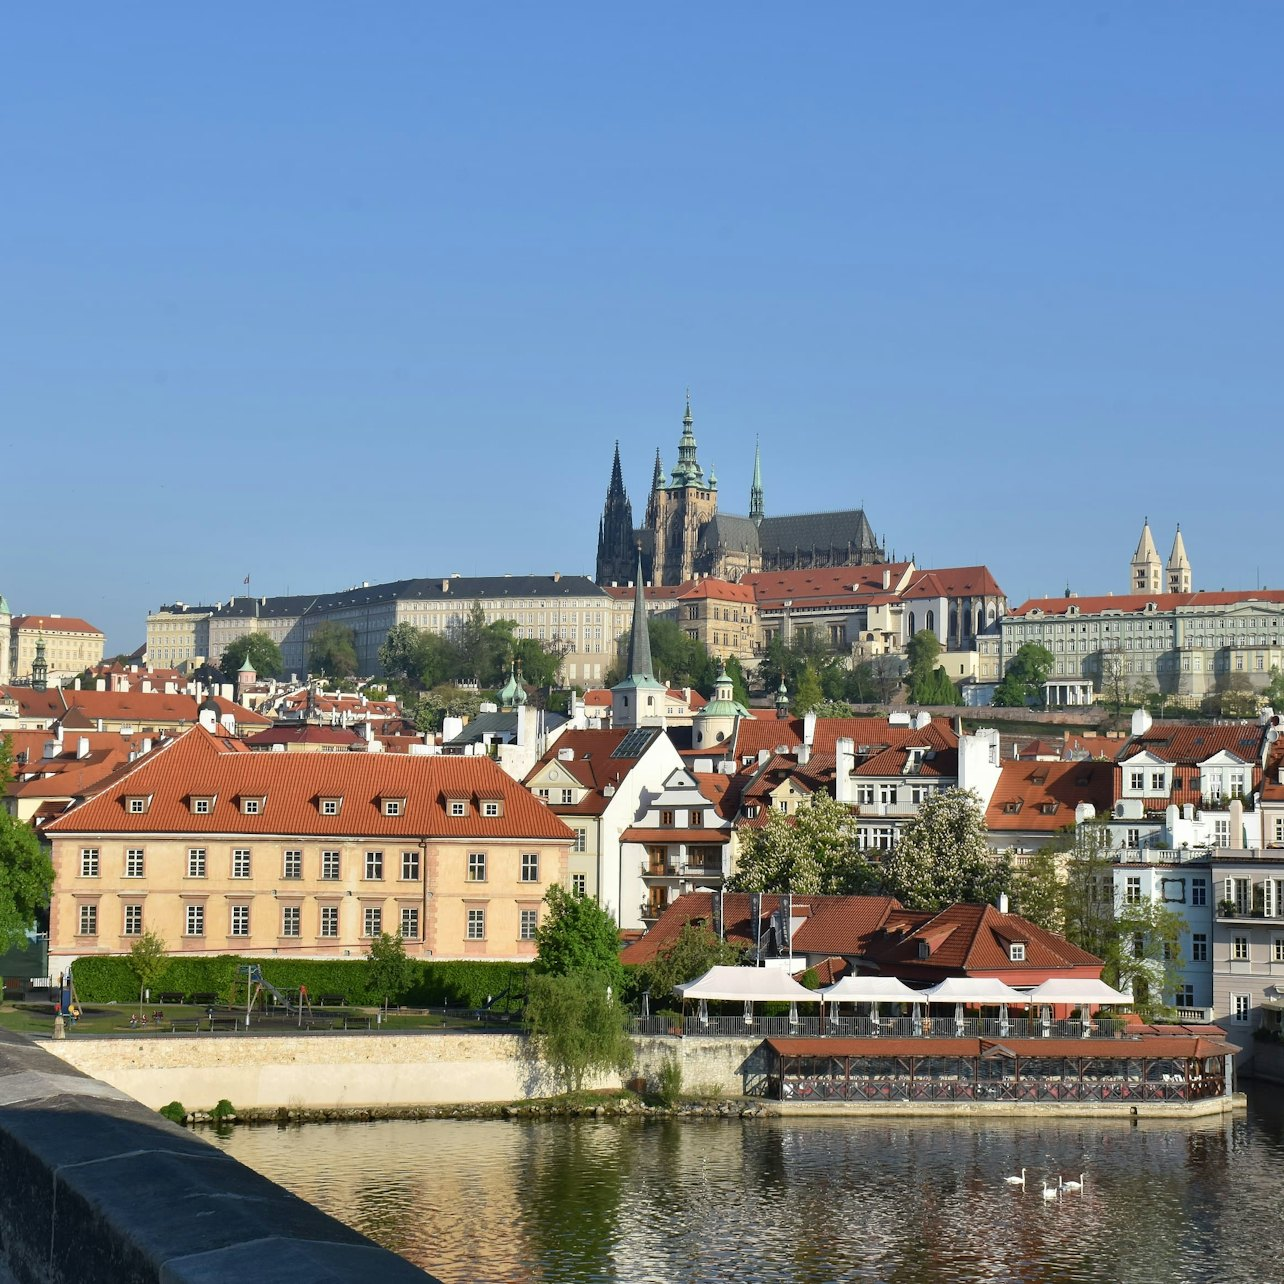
column 53, row 624
column 1042, row 796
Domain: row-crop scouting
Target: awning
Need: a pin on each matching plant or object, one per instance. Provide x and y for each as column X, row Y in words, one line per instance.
column 1076, row 991
column 872, row 989
column 757, row 984
column 972, row 989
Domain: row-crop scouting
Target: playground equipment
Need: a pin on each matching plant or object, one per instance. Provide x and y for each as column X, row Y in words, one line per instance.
column 68, row 1002
column 257, row 986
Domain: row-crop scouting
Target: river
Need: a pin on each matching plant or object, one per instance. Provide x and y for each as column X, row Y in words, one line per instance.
column 809, row 1200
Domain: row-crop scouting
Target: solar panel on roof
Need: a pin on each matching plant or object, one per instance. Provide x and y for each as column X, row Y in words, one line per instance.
column 635, row 743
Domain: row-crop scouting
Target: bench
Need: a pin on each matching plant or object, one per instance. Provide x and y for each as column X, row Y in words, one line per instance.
column 204, row 999
column 331, row 1001
column 170, row 996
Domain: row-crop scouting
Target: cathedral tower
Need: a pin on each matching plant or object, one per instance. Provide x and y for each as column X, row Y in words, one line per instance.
column 615, row 543
column 1147, row 572
column 1178, row 566
column 680, row 510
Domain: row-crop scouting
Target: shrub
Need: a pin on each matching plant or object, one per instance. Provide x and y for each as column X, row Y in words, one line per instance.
column 668, row 1081
column 223, row 1110
column 174, row 1112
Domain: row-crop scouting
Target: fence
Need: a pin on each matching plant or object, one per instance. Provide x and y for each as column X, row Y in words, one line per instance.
column 810, row 1027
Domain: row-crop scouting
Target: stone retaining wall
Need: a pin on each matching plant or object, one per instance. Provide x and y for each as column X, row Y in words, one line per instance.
column 97, row 1190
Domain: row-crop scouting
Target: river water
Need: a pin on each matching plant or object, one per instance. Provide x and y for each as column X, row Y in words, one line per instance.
column 808, row 1200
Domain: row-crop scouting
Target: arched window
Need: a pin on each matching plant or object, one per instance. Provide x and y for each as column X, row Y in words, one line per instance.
column 912, row 630
column 980, row 618
column 931, row 622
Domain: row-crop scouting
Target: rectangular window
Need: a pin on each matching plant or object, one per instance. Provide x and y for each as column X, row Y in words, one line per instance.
column 1016, row 952
column 476, row 925
column 137, row 806
column 133, row 920
column 89, row 862
column 329, row 920
column 666, row 820
column 1132, row 894
column 410, row 923
column 458, row 808
column 195, row 862
column 1239, row 948
column 371, row 921
column 329, row 806
column 1277, row 950
column 200, row 806
column 374, row 865
column 529, row 924
column 530, row 867
column 410, row 866
column 1138, row 945
column 240, row 862
column 1198, row 891
column 476, row 867
column 697, row 818
column 88, row 922
column 291, row 920
column 194, row 924
column 1240, row 1007
column 490, row 809
column 581, row 839
column 250, row 806
column 568, row 795
column 392, row 806
column 1184, row 997
column 1136, row 780
column 330, row 866
column 1157, row 782
column 579, row 884
column 292, row 864
column 134, row 863
column 1199, row 948
column 240, row 920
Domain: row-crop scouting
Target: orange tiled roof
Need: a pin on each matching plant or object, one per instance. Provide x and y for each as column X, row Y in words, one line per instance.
column 1041, row 797
column 953, row 581
column 1187, row 744
column 53, row 624
column 715, row 590
column 1128, row 602
column 199, row 764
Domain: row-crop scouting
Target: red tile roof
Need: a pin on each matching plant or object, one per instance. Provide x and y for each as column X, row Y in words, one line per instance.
column 953, row 581
column 303, row 734
column 715, row 590
column 591, row 765
column 1041, row 797
column 654, row 834
column 764, row 733
column 197, row 764
column 1131, row 602
column 1189, row 744
column 53, row 624
column 1180, row 1046
column 821, row 587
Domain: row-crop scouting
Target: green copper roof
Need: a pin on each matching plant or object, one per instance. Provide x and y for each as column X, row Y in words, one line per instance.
column 4, row 606
column 688, row 471
column 641, row 673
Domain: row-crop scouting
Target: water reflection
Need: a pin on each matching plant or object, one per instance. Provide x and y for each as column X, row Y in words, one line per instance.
column 809, row 1200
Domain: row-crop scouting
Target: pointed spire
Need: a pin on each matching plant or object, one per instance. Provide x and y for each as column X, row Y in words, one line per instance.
column 1179, row 577
column 688, row 471
column 756, row 507
column 617, row 476
column 1146, row 573
column 657, row 478
column 640, row 637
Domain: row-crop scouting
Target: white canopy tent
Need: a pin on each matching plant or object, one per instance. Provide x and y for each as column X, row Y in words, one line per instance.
column 871, row 989
column 977, row 990
column 750, row 984
column 1077, row 992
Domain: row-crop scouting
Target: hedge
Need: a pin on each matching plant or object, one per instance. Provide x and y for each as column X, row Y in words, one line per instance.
column 459, row 983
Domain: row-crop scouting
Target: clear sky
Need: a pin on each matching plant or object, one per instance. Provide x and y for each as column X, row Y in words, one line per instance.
column 325, row 293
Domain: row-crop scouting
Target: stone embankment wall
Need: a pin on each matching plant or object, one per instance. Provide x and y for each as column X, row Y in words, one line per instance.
column 96, row 1189
column 353, row 1071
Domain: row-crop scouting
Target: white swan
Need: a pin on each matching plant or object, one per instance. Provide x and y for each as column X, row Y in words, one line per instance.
column 1016, row 1181
column 1073, row 1185
column 1050, row 1192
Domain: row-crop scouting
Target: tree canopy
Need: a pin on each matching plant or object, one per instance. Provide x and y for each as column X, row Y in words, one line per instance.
column 942, row 856
column 390, row 970
column 578, row 1026
column 263, row 652
column 694, row 952
column 419, row 659
column 576, row 935
column 332, row 650
column 26, row 872
column 811, row 852
column 147, row 961
column 1023, row 683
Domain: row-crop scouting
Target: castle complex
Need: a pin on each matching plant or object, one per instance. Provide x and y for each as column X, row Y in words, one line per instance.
column 685, row 535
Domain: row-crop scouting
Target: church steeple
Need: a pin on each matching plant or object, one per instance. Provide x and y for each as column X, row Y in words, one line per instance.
column 1179, row 578
column 638, row 699
column 1147, row 571
column 688, row 471
column 615, row 540
column 756, row 509
column 639, row 635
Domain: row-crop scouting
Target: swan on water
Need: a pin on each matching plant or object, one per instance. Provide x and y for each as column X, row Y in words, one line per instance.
column 1016, row 1181
column 1050, row 1192
column 1073, row 1185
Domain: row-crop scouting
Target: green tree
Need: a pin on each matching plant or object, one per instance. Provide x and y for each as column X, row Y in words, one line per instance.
column 739, row 685
column 263, row 652
column 814, row 852
column 1088, row 897
column 937, row 688
column 921, row 652
column 1037, row 892
column 942, row 856
column 694, row 952
column 26, row 873
column 1022, row 684
column 808, row 694
column 147, row 960
column 540, row 665
column 390, row 971
column 576, row 935
column 332, row 650
column 578, row 1026
column 434, row 705
column 1144, row 956
column 1274, row 692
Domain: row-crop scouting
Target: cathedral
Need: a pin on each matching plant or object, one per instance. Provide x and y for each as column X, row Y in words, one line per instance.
column 684, row 534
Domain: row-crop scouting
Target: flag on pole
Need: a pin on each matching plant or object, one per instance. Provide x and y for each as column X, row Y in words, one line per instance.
column 247, row 579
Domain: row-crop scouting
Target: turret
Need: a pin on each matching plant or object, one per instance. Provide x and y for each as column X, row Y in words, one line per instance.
column 1179, row 577
column 1147, row 571
column 782, row 699
column 756, row 508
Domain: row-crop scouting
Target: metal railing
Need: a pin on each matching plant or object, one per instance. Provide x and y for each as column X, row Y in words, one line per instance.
column 1093, row 1090
column 811, row 1027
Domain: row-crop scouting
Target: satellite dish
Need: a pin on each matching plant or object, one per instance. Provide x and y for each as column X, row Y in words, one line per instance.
column 1272, row 735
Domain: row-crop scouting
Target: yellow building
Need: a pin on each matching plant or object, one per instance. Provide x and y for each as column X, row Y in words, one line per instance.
column 71, row 645
column 220, row 850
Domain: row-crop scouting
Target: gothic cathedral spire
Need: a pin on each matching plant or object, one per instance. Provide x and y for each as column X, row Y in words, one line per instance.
column 615, row 544
column 756, row 510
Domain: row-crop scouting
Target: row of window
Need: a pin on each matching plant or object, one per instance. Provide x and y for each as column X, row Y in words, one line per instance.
column 1198, row 889
column 330, row 869
column 194, row 922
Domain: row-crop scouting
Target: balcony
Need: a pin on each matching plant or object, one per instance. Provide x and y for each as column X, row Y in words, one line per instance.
column 1161, row 855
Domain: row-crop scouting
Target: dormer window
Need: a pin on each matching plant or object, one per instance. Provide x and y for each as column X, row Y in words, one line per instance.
column 252, row 806
column 138, row 805
column 394, row 806
column 1048, row 808
column 924, row 949
column 492, row 808
column 1016, row 951
column 457, row 807
column 202, row 806
column 331, row 806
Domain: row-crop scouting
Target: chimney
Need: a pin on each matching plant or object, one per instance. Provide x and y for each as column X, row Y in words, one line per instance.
column 887, row 579
column 1236, row 825
column 809, row 729
column 1002, row 904
column 100, row 684
column 844, row 766
column 82, row 747
column 804, row 754
column 147, row 686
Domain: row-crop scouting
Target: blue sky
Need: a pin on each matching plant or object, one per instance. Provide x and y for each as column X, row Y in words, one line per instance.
column 329, row 293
